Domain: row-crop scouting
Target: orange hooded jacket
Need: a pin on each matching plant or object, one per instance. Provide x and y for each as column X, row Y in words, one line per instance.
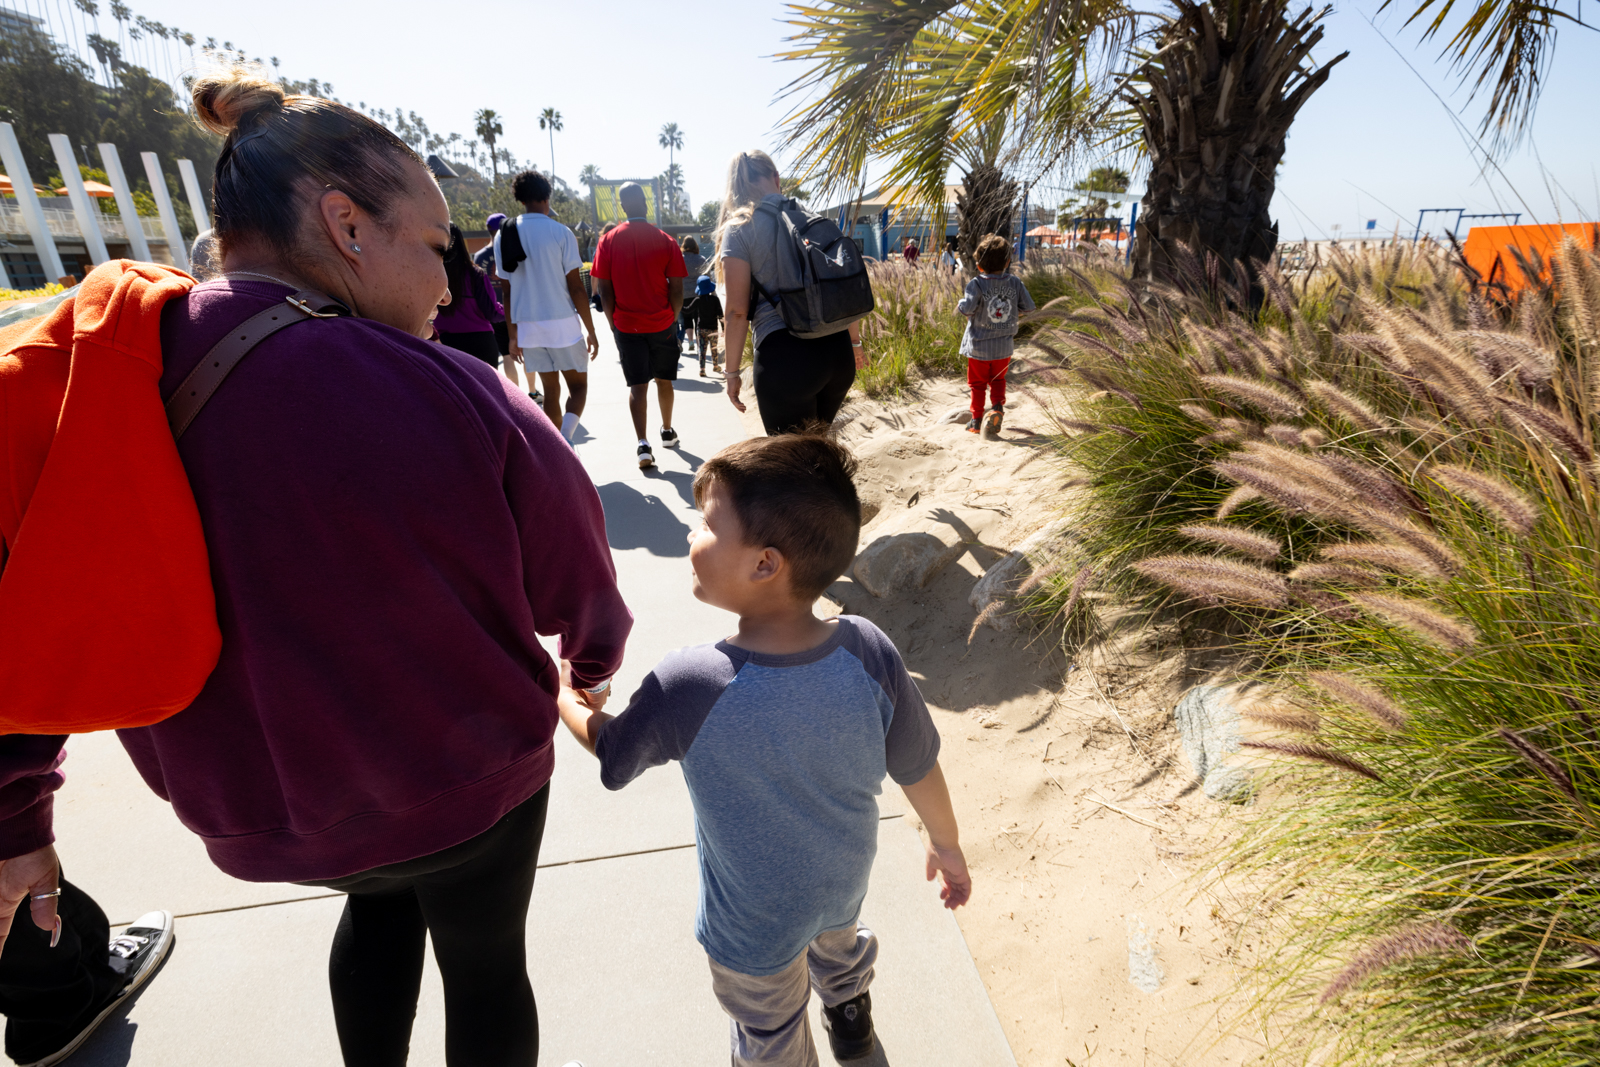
column 107, row 617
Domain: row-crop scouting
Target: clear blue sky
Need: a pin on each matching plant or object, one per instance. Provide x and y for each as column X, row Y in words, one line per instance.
column 1373, row 143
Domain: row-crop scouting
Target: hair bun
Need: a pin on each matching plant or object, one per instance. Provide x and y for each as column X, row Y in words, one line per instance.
column 234, row 98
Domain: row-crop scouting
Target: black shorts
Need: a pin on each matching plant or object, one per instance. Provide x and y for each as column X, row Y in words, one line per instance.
column 648, row 355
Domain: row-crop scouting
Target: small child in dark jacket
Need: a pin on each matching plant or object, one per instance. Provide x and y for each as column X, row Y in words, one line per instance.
column 702, row 313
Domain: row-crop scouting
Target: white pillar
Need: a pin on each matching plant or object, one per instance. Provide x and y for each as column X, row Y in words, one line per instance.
column 28, row 201
column 169, row 220
column 197, row 203
column 88, row 217
column 124, row 193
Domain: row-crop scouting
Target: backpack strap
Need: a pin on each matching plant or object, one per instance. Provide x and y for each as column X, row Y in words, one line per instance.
column 226, row 354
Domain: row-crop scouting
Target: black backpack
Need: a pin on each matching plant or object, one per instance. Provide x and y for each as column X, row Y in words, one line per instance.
column 822, row 284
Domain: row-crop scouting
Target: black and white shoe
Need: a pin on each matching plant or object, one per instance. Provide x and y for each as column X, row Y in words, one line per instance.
column 669, row 437
column 849, row 1028
column 135, row 955
column 647, row 458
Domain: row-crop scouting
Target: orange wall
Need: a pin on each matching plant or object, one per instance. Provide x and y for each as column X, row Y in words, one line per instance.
column 1488, row 248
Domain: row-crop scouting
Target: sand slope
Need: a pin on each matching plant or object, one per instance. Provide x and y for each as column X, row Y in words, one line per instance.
column 1081, row 823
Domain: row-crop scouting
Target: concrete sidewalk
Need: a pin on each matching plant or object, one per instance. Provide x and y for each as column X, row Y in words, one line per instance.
column 619, row 977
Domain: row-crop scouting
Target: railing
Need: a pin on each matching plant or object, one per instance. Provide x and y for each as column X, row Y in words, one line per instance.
column 65, row 224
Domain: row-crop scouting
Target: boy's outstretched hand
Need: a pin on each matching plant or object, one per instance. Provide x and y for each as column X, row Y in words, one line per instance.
column 956, row 885
column 930, row 798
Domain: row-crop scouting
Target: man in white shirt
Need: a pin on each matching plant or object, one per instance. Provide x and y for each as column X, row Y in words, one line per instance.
column 549, row 311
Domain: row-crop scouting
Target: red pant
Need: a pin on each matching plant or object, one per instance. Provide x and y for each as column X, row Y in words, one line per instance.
column 987, row 374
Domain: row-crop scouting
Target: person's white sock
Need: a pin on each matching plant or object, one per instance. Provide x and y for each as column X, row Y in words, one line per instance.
column 642, row 441
column 569, row 425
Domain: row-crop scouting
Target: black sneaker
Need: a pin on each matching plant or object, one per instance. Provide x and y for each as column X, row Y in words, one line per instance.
column 669, row 437
column 849, row 1028
column 647, row 458
column 135, row 955
column 537, row 397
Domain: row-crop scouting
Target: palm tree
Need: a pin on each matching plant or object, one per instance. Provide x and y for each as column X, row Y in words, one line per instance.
column 92, row 9
column 488, row 127
column 671, row 139
column 1505, row 44
column 550, row 119
column 1216, row 100
column 590, row 176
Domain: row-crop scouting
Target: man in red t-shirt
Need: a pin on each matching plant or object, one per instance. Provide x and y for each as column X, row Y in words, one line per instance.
column 640, row 272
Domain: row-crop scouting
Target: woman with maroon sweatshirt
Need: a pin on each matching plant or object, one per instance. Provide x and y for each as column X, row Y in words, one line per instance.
column 391, row 525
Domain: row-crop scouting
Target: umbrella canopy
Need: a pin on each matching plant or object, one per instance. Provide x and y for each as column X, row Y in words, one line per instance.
column 1044, row 231
column 100, row 189
column 8, row 188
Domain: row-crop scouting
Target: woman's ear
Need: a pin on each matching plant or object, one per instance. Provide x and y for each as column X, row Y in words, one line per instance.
column 343, row 222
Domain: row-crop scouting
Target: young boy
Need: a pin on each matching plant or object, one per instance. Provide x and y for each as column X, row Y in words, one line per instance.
column 992, row 303
column 785, row 732
column 702, row 313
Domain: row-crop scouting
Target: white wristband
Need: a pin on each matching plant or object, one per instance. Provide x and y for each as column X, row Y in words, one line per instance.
column 601, row 688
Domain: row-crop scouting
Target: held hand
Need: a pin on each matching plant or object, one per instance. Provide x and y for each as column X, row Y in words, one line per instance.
column 594, row 346
column 861, row 357
column 26, row 877
column 516, row 353
column 593, row 701
column 951, row 866
column 734, row 383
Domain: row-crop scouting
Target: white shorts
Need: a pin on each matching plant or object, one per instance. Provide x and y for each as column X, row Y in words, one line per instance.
column 549, row 360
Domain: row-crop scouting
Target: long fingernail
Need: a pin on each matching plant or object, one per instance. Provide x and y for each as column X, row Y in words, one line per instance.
column 55, row 935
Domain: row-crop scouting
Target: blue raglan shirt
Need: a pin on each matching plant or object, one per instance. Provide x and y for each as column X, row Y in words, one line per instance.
column 784, row 757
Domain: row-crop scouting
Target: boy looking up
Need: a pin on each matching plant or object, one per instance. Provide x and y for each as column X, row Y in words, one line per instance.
column 785, row 731
column 992, row 304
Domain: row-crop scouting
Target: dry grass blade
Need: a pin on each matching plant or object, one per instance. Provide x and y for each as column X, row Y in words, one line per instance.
column 1257, row 394
column 1079, row 584
column 1509, row 507
column 1542, row 761
column 1216, row 580
column 1036, row 579
column 1396, row 558
column 1358, row 694
column 1337, row 574
column 1236, row 500
column 1245, row 542
column 984, row 616
column 1430, row 939
column 1550, row 427
column 1420, row 618
column 1349, row 408
column 1317, row 753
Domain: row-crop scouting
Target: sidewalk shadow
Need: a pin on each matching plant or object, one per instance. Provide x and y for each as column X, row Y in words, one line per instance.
column 634, row 520
column 682, row 481
column 698, row 385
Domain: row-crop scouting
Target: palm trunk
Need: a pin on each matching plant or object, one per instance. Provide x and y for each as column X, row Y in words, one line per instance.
column 1218, row 99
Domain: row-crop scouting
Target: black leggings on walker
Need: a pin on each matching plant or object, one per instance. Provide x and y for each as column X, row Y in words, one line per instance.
column 473, row 899
column 799, row 381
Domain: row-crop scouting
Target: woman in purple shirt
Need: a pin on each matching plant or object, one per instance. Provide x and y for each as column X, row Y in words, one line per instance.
column 391, row 526
column 467, row 322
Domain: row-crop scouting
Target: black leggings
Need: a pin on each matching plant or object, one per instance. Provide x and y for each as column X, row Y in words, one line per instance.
column 481, row 344
column 801, row 381
column 473, row 899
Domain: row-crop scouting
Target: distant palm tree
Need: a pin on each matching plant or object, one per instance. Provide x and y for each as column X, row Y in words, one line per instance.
column 488, row 127
column 671, row 139
column 590, row 175
column 550, row 119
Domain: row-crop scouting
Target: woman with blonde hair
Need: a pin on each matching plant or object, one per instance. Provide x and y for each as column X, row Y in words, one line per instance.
column 798, row 381
column 390, row 525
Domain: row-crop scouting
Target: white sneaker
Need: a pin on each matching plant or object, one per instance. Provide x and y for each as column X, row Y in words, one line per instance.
column 135, row 955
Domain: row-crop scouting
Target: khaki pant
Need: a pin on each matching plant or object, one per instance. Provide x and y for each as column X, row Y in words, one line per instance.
column 768, row 1012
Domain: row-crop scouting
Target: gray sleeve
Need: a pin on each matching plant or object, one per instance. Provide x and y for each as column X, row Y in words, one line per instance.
column 735, row 243
column 911, row 746
column 1024, row 298
column 664, row 714
column 969, row 299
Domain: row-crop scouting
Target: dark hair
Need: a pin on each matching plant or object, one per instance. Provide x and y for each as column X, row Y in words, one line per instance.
column 691, row 246
column 465, row 276
column 994, row 252
column 795, row 493
column 280, row 150
column 530, row 187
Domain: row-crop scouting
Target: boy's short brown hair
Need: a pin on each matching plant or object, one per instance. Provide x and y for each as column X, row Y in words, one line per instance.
column 994, row 253
column 796, row 493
